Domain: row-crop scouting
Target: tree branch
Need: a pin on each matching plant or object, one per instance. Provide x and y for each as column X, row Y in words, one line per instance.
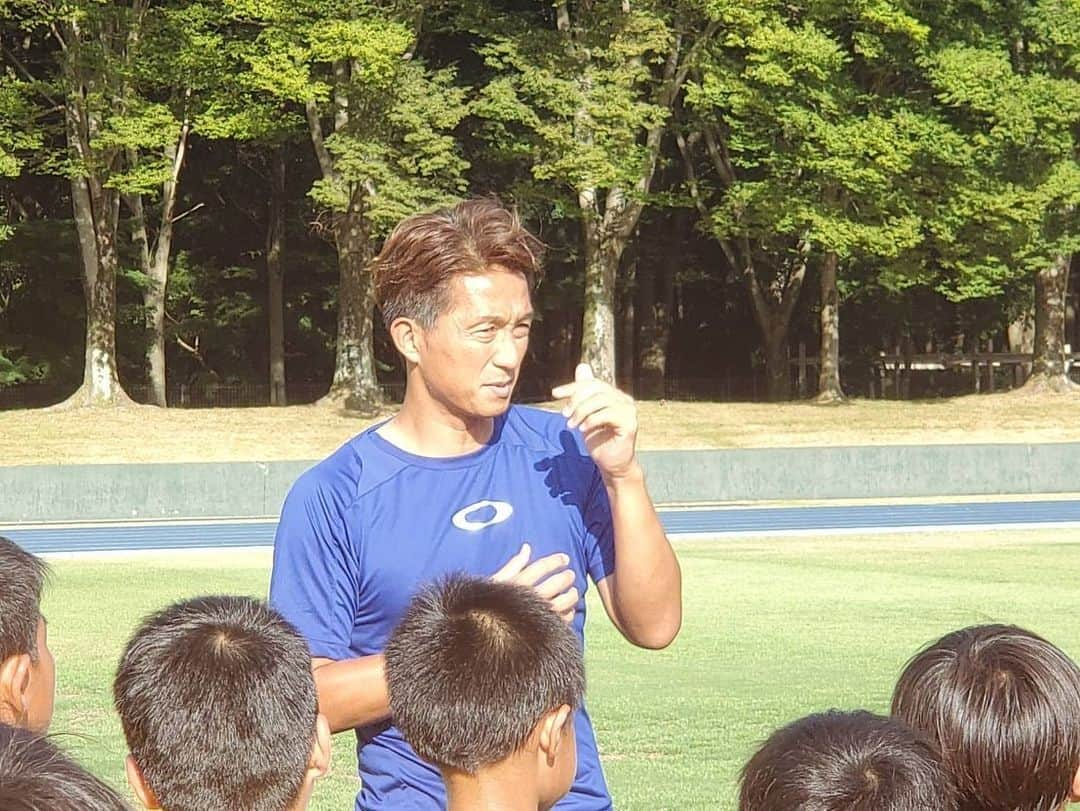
column 719, row 155
column 691, row 174
column 326, row 162
column 28, row 75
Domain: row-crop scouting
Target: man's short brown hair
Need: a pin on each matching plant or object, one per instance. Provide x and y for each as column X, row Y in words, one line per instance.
column 413, row 270
column 1004, row 706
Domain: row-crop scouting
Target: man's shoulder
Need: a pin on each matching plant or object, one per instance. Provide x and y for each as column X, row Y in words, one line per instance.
column 542, row 430
column 342, row 476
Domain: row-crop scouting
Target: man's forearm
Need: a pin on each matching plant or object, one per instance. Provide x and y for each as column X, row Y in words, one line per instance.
column 352, row 692
column 646, row 592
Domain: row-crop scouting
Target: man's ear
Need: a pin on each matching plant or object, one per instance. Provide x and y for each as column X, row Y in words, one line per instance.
column 15, row 675
column 319, row 762
column 552, row 728
column 139, row 786
column 407, row 337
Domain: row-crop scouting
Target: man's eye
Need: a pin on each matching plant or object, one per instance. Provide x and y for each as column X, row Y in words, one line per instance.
column 522, row 330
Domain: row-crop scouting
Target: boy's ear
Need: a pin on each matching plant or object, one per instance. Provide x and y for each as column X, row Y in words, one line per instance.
column 15, row 675
column 552, row 728
column 139, row 786
column 407, row 337
column 319, row 762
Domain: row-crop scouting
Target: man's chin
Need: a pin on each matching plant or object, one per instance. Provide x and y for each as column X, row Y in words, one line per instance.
column 494, row 406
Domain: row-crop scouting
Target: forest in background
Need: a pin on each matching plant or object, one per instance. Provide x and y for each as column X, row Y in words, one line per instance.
column 191, row 192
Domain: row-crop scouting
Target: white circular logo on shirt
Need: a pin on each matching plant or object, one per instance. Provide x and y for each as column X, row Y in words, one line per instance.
column 500, row 511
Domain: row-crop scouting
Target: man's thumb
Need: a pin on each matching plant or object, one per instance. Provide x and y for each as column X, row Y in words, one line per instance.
column 583, row 373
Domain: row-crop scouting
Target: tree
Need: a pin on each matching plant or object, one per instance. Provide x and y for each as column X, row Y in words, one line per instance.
column 809, row 141
column 103, row 68
column 381, row 125
column 1010, row 80
column 588, row 92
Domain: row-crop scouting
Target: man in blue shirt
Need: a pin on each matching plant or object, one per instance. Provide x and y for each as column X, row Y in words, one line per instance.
column 459, row 480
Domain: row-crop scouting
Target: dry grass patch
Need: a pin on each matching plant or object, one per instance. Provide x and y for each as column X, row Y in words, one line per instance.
column 147, row 434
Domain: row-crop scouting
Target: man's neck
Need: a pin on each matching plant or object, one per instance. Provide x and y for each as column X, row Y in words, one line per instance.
column 426, row 428
column 508, row 786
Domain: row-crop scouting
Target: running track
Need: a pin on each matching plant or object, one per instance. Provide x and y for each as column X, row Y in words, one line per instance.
column 712, row 522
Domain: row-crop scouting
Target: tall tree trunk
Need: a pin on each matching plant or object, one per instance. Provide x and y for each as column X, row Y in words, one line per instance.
column 101, row 384
column 96, row 210
column 275, row 275
column 355, row 384
column 155, row 261
column 1048, row 365
column 625, row 325
column 777, row 367
column 607, row 229
column 654, row 308
column 773, row 305
column 598, row 321
column 152, row 302
column 829, row 390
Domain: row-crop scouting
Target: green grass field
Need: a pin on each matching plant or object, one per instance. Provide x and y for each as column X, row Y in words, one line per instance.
column 774, row 629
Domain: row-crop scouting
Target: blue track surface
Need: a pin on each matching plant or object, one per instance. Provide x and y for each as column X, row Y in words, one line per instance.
column 714, row 521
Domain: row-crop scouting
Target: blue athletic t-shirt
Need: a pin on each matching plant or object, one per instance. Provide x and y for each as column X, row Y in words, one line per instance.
column 361, row 531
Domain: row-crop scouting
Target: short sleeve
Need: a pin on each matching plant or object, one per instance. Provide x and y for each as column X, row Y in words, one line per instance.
column 314, row 583
column 599, row 530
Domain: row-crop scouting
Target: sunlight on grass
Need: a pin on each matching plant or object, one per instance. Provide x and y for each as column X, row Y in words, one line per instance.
column 774, row 629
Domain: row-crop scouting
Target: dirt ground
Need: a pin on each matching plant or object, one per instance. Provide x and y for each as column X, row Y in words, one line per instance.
column 148, row 434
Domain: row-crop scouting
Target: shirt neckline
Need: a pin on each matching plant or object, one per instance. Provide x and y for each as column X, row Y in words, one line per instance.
column 438, row 462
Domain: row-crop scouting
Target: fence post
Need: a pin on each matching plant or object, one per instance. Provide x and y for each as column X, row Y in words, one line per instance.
column 990, row 367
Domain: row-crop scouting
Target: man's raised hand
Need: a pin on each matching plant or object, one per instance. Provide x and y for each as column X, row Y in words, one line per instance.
column 606, row 417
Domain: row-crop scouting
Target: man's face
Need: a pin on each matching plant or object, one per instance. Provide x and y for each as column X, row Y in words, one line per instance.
column 471, row 356
column 42, row 683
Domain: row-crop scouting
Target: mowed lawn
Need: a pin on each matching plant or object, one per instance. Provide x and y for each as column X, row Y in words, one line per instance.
column 774, row 629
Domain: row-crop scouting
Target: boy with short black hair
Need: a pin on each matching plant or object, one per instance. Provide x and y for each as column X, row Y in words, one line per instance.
column 1004, row 706
column 218, row 706
column 36, row 775
column 27, row 670
column 484, row 679
column 846, row 761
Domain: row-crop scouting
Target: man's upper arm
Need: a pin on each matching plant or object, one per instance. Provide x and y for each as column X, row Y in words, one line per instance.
column 599, row 529
column 315, row 578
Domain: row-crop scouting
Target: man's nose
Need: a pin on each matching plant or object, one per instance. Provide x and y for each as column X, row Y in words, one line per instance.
column 506, row 352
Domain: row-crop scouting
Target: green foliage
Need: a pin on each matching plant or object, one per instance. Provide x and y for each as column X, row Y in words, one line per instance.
column 576, row 103
column 933, row 147
column 809, row 148
column 1010, row 85
column 393, row 118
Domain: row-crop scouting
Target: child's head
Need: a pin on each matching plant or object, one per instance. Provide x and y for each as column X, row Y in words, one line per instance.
column 484, row 673
column 34, row 775
column 1004, row 706
column 27, row 677
column 846, row 761
column 218, row 705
